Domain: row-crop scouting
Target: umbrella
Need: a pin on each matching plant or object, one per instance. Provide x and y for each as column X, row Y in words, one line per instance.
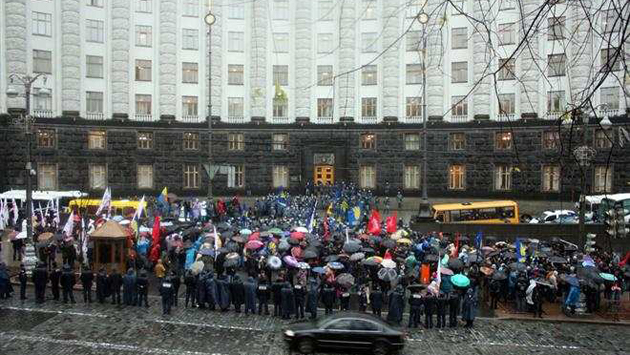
column 293, row 241
column 499, row 276
column 254, row 236
column 431, row 258
column 309, row 254
column 207, row 252
column 416, row 287
column 486, row 270
column 303, row 266
column 297, row 235
column 254, row 245
column 44, row 237
column 301, row 229
column 388, row 264
column 290, row 261
column 571, row 280
column 230, row 262
column 517, row 267
column 387, row 274
column 275, row 231
column 223, row 226
column 357, row 256
column 460, row 280
column 245, row 231
column 284, row 245
column 345, row 280
column 318, row 270
column 367, row 250
column 607, row 276
column 487, row 249
column 343, row 256
column 404, row 241
column 446, row 271
column 240, row 240
column 510, row 255
column 557, row 260
column 475, row 258
column 388, row 243
column 455, row 264
column 296, row 252
column 274, row 262
column 401, row 233
column 331, row 258
column 372, row 261
column 335, row 265
column 376, row 239
column 351, row 247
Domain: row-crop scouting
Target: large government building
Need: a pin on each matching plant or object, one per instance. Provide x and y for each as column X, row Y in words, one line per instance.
column 291, row 91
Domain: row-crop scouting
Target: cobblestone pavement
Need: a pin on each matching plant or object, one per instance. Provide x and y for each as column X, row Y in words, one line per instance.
column 55, row 328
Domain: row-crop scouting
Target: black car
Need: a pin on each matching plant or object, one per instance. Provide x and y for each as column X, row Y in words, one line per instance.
column 348, row 331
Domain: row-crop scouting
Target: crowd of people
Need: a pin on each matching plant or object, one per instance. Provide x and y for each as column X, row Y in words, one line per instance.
column 329, row 248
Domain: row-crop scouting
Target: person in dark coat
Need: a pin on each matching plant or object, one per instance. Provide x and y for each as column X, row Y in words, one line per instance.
column 222, row 293
column 40, row 279
column 5, row 282
column 250, row 295
column 495, row 292
column 429, row 309
column 129, row 288
column 376, row 299
column 262, row 293
column 237, row 292
column 469, row 307
column 312, row 298
column 142, row 288
column 276, row 290
column 191, row 288
column 68, row 279
column 415, row 310
column 363, row 299
column 328, row 298
column 441, row 302
column 200, row 289
column 166, row 292
column 453, row 308
column 23, row 277
column 55, row 278
column 288, row 301
column 344, row 299
column 115, row 283
column 101, row 285
column 209, row 291
column 87, row 278
column 396, row 305
column 176, row 280
column 299, row 292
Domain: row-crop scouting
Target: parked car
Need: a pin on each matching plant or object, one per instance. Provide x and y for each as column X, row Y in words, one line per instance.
column 346, row 331
column 557, row 216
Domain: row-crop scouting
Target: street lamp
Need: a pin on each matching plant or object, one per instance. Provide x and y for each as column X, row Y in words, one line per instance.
column 210, row 19
column 424, row 209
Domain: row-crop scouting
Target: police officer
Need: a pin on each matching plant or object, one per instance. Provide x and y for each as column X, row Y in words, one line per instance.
column 191, row 288
column 300, row 295
column 176, row 283
column 276, row 290
column 142, row 284
column 115, row 283
column 344, row 302
column 23, row 279
column 55, row 277
column 87, row 277
column 68, row 279
column 129, row 288
column 441, row 303
column 237, row 291
column 415, row 309
column 166, row 291
column 40, row 279
column 453, row 307
column 376, row 299
column 429, row 307
column 101, row 285
column 363, row 299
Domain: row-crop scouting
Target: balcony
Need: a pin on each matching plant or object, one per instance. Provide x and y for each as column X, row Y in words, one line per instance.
column 459, row 118
column 235, row 119
column 95, row 116
column 192, row 119
column 553, row 116
column 506, row 117
column 414, row 119
column 280, row 120
column 43, row 113
column 611, row 112
column 143, row 117
column 368, row 119
column 324, row 120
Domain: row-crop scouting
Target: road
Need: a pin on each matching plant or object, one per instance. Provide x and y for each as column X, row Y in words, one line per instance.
column 55, row 328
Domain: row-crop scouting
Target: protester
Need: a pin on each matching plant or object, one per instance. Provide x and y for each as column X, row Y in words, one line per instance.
column 191, row 289
column 55, row 278
column 469, row 307
column 115, row 282
column 40, row 279
column 68, row 280
column 129, row 288
column 250, row 295
column 87, row 277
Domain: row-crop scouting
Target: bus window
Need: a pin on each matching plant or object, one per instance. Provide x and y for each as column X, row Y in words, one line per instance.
column 440, row 217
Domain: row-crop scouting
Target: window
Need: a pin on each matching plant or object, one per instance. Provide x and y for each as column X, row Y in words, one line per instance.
column 325, row 108
column 507, row 5
column 190, row 73
column 42, row 61
column 459, row 37
column 508, row 69
column 280, row 107
column 280, row 141
column 369, row 42
column 95, row 3
column 235, row 106
column 459, row 106
column 611, row 21
column 42, row 102
column 145, row 140
column 608, row 60
column 502, row 177
column 551, row 178
column 236, row 41
column 281, row 74
column 143, row 70
column 603, row 139
column 191, row 8
column 94, row 66
column 368, row 107
column 367, row 177
column 457, row 177
column 556, row 101
column 280, row 9
column 144, row 36
column 46, row 138
column 507, row 34
column 236, row 141
column 42, row 24
column 145, row 176
column 368, row 75
column 459, row 72
column 413, row 107
column 507, row 104
column 603, row 179
column 550, row 140
column 236, row 10
column 281, row 42
column 191, row 141
column 557, row 64
column 369, row 9
column 324, row 42
column 503, row 141
column 94, row 102
column 143, row 104
column 412, row 177
column 191, row 176
column 235, row 74
column 190, row 39
column 280, row 176
column 414, row 74
column 98, row 176
column 97, row 140
column 412, row 141
column 143, row 5
column 457, row 141
column 610, row 97
column 47, row 177
column 325, row 10
column 236, row 177
column 555, row 28
column 95, row 31
column 368, row 141
column 324, row 75
column 190, row 105
column 412, row 41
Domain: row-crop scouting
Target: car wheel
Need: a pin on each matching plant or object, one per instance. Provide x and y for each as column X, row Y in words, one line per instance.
column 306, row 346
column 380, row 348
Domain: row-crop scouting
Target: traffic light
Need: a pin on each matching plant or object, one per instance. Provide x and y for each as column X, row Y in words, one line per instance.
column 610, row 223
column 589, row 247
column 620, row 215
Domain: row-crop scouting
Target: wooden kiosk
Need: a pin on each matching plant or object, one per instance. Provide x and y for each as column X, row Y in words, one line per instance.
column 110, row 246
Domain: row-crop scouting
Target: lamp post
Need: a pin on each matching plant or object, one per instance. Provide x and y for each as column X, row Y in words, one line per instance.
column 424, row 209
column 210, row 19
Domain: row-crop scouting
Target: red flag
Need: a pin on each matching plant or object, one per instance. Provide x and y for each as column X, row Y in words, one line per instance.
column 391, row 223
column 154, row 254
column 455, row 251
column 374, row 224
column 387, row 255
column 326, row 229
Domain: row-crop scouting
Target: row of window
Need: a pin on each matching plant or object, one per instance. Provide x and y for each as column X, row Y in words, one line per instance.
column 502, row 181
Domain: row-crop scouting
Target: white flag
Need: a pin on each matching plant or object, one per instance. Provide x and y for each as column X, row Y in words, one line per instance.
column 14, row 208
column 139, row 211
column 69, row 227
column 438, row 278
column 105, row 202
column 5, row 213
column 84, row 245
column 2, row 224
column 216, row 239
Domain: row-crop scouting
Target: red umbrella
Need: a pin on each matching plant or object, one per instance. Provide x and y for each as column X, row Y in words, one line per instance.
column 297, row 235
column 254, row 244
column 254, row 236
column 296, row 252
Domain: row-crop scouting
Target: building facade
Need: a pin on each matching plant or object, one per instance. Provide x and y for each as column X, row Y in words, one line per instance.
column 339, row 85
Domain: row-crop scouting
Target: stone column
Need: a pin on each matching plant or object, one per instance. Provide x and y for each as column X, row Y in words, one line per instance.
column 347, row 61
column 15, row 46
column 217, row 52
column 391, row 23
column 167, row 62
column 303, row 58
column 258, row 60
column 71, row 57
column 481, row 57
column 580, row 53
column 120, row 58
column 435, row 57
column 530, row 74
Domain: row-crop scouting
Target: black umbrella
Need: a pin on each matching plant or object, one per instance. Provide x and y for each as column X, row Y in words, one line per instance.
column 376, row 239
column 370, row 262
column 315, row 243
column 309, row 254
column 557, row 260
column 388, row 243
column 499, row 276
column 455, row 264
column 416, row 287
column 232, row 246
column 517, row 267
column 331, row 258
column 223, row 226
column 351, row 247
column 510, row 255
column 230, row 262
column 294, row 241
column 475, row 258
column 430, row 258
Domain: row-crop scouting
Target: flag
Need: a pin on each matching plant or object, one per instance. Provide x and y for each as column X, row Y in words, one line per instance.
column 84, row 245
column 520, row 251
column 438, row 278
column 350, row 220
column 105, row 202
column 479, row 240
column 329, row 211
column 391, row 223
column 163, row 200
column 14, row 209
column 217, row 239
column 326, row 229
column 311, row 222
column 67, row 229
column 374, row 224
column 138, row 213
column 154, row 254
column 57, row 213
column 347, row 236
column 2, row 223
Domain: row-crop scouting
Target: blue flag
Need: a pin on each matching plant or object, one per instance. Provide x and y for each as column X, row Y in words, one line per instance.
column 479, row 240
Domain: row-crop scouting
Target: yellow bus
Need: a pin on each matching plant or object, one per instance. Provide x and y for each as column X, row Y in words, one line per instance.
column 125, row 208
column 477, row 212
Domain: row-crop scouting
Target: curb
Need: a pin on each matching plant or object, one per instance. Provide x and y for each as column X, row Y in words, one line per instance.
column 564, row 320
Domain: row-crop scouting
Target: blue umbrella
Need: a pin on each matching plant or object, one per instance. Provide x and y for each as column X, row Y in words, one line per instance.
column 607, row 276
column 572, row 280
column 318, row 270
column 460, row 280
column 335, row 265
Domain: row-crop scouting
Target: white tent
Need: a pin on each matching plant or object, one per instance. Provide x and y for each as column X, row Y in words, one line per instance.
column 41, row 195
